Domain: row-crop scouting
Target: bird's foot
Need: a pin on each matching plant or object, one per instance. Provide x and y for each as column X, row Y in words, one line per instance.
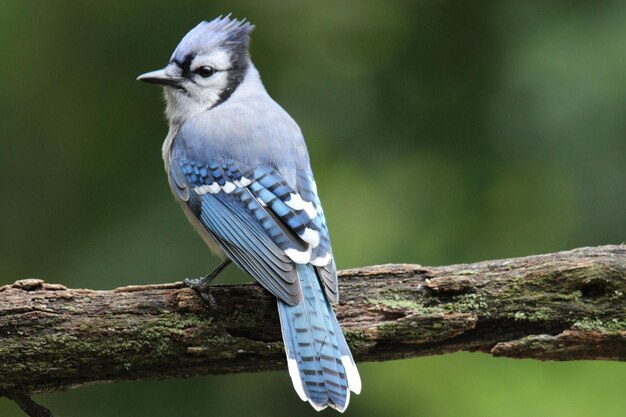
column 203, row 285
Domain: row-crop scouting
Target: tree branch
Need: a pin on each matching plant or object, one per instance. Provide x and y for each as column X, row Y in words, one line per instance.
column 562, row 306
column 28, row 406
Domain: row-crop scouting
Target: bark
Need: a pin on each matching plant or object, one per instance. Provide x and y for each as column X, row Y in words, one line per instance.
column 562, row 306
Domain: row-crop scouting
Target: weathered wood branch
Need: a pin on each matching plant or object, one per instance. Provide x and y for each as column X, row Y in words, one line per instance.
column 562, row 306
column 27, row 405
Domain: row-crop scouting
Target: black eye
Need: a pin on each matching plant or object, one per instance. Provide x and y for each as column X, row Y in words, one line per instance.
column 205, row 72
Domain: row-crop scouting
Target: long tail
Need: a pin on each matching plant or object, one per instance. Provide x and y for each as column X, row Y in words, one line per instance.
column 320, row 363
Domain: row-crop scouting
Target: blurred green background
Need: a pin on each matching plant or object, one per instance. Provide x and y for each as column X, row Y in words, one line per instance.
column 440, row 132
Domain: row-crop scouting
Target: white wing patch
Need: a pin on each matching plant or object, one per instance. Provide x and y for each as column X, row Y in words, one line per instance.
column 204, row 189
column 229, row 187
column 297, row 256
column 297, row 203
column 322, row 260
column 311, row 237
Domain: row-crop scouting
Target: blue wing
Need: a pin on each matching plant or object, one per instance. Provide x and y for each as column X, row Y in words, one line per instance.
column 322, row 254
column 262, row 223
column 271, row 224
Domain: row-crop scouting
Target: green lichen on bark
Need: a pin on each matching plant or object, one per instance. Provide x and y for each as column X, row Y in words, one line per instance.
column 613, row 325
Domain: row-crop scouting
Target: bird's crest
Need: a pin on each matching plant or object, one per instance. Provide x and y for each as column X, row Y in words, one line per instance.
column 222, row 31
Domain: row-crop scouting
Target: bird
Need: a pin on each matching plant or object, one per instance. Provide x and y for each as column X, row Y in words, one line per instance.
column 239, row 166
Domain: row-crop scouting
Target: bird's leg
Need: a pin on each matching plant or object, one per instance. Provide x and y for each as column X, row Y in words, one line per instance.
column 202, row 285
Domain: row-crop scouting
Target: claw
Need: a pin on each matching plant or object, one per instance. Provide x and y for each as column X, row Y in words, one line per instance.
column 203, row 285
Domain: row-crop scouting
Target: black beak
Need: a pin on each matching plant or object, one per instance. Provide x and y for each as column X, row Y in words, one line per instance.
column 160, row 77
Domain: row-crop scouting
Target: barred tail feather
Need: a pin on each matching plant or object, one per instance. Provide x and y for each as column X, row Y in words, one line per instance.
column 320, row 364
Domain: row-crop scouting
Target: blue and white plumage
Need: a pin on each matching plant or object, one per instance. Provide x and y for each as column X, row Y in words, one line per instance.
column 238, row 164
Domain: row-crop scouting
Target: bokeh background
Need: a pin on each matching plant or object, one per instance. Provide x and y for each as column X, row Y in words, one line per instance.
column 440, row 132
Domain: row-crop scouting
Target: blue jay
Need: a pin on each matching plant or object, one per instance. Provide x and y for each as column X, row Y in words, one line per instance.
column 238, row 164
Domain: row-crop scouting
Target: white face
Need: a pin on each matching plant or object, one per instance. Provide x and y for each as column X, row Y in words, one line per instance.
column 201, row 86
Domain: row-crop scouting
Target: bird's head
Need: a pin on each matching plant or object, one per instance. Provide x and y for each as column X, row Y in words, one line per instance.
column 207, row 66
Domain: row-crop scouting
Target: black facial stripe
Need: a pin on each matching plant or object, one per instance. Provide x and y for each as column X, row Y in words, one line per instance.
column 185, row 65
column 236, row 73
column 239, row 66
